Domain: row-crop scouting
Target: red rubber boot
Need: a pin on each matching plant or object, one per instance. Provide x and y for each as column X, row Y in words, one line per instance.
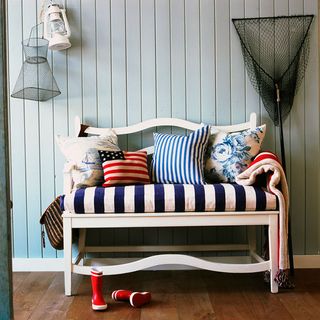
column 138, row 299
column 121, row 295
column 98, row 302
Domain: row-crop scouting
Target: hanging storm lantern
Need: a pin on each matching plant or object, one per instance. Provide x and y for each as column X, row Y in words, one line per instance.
column 56, row 28
column 35, row 81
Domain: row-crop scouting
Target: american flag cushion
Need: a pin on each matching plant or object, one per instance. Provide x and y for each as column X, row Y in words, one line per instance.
column 123, row 167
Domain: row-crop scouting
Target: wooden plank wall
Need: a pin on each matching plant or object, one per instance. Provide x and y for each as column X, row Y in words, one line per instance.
column 132, row 60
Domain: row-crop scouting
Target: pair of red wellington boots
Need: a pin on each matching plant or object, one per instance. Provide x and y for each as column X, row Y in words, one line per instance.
column 136, row 299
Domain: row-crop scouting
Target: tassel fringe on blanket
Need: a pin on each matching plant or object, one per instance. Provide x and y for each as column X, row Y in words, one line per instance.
column 281, row 278
column 268, row 164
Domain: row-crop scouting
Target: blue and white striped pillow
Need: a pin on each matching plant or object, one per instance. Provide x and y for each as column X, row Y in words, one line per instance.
column 179, row 159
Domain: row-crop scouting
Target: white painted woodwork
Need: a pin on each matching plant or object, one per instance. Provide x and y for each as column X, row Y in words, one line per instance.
column 177, row 259
column 158, row 122
column 273, row 252
column 170, row 248
column 67, row 245
column 167, row 219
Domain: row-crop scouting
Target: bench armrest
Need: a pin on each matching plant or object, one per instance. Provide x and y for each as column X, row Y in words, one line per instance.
column 67, row 177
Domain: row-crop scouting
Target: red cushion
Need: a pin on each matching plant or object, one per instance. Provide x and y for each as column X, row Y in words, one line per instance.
column 132, row 170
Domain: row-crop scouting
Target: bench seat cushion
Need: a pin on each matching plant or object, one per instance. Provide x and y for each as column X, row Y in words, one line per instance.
column 169, row 198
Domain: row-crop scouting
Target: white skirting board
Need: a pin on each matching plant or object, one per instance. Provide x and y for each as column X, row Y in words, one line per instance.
column 54, row 265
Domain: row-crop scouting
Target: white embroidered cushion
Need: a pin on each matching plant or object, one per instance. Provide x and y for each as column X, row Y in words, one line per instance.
column 82, row 154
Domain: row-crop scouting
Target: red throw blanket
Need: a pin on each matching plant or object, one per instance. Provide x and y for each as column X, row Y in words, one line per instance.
column 268, row 163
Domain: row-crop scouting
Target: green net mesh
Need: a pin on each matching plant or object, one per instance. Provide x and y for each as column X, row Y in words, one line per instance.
column 275, row 51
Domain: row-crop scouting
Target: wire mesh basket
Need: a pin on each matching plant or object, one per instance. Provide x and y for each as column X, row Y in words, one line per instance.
column 35, row 81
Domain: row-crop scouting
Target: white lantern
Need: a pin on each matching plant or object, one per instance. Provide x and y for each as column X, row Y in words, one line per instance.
column 56, row 28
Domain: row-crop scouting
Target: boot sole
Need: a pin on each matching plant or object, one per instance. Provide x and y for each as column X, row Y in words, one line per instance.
column 99, row 308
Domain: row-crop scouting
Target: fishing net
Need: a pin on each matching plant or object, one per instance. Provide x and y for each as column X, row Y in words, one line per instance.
column 276, row 52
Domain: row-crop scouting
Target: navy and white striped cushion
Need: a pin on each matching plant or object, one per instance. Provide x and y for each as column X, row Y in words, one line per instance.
column 179, row 159
column 169, row 198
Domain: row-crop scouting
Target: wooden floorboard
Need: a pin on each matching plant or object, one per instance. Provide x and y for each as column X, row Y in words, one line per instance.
column 199, row 295
column 54, row 304
column 193, row 301
column 19, row 277
column 27, row 297
column 226, row 296
column 164, row 296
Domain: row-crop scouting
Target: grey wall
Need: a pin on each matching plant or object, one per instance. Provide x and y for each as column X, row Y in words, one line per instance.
column 134, row 60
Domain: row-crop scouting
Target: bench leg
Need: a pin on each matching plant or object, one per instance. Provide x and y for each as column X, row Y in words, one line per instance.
column 273, row 251
column 252, row 239
column 82, row 242
column 67, row 245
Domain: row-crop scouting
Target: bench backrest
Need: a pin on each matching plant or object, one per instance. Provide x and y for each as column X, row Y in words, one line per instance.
column 161, row 122
column 168, row 122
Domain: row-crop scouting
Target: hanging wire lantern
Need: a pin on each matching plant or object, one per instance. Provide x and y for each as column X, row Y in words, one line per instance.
column 35, row 81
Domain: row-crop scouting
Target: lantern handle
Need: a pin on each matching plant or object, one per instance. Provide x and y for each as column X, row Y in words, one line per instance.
column 66, row 22
column 31, row 31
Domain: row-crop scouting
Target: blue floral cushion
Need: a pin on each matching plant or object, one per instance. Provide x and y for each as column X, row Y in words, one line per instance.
column 229, row 154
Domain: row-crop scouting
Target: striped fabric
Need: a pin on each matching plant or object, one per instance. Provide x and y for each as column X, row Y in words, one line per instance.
column 179, row 159
column 169, row 198
column 132, row 169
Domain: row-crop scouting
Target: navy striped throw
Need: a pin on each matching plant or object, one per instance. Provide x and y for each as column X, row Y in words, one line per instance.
column 179, row 159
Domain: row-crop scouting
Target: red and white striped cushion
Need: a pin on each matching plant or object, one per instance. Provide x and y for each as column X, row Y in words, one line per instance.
column 132, row 170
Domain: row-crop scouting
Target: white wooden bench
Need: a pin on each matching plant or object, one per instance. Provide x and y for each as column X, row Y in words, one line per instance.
column 173, row 219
